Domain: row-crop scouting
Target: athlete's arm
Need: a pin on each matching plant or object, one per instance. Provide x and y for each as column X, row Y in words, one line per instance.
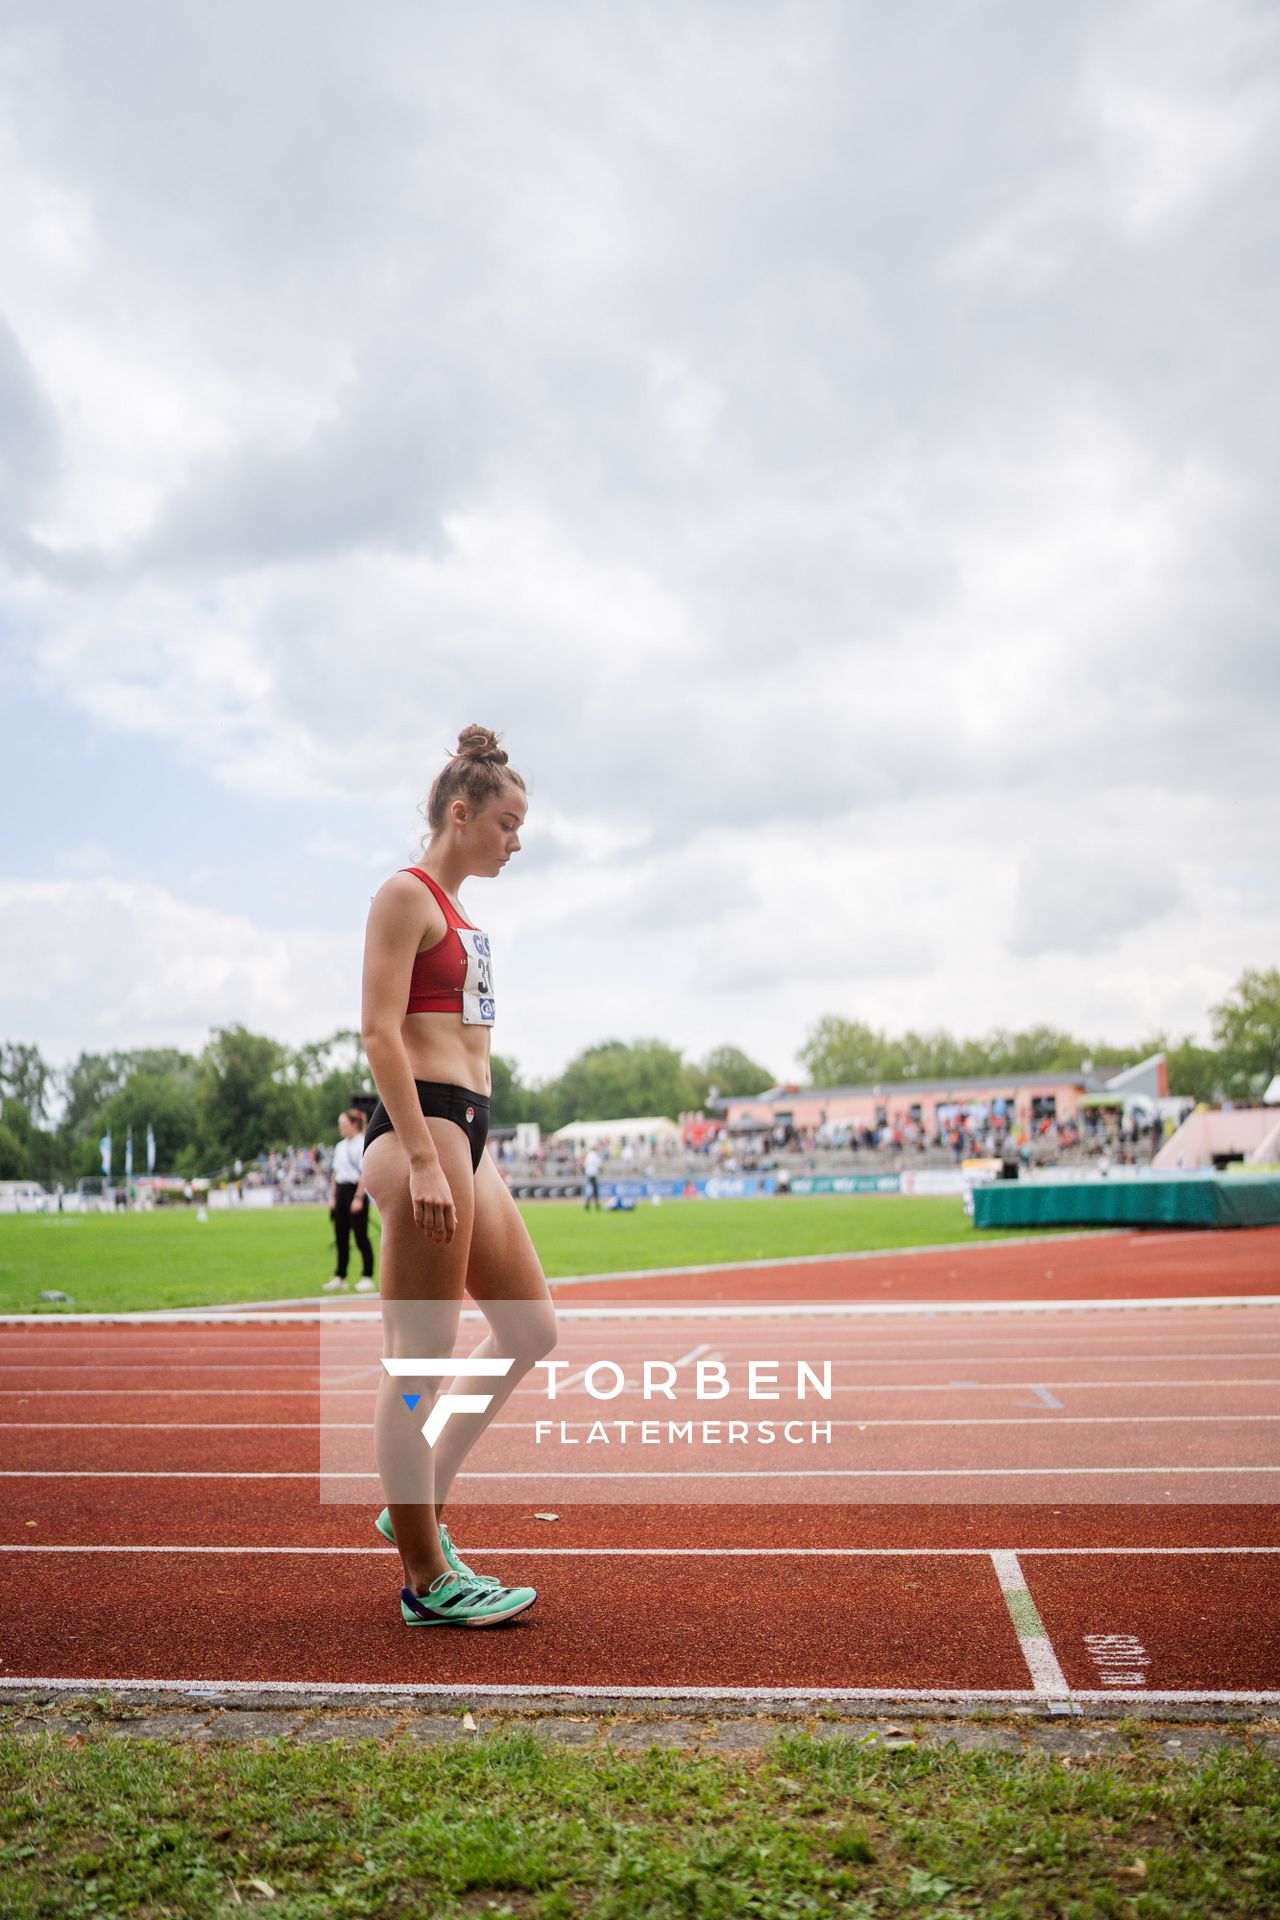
column 398, row 918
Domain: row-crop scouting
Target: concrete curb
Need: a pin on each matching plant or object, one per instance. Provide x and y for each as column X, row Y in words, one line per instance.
column 734, row 1734
column 604, row 1724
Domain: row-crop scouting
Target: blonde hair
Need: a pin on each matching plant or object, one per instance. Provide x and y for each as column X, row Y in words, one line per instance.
column 476, row 773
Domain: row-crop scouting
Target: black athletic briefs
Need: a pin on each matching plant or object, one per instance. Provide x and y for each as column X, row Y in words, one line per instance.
column 467, row 1110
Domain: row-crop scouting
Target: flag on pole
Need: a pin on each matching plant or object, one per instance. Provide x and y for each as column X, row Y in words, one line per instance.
column 151, row 1148
column 104, row 1148
column 128, row 1152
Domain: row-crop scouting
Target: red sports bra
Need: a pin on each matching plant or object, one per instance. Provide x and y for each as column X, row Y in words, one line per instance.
column 456, row 975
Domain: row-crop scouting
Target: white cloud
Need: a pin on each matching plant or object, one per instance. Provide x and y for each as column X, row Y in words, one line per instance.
column 108, row 963
column 1083, row 896
column 832, row 452
column 1188, row 101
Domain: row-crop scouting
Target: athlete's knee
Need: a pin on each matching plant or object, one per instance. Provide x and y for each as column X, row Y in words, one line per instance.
column 419, row 1329
column 530, row 1332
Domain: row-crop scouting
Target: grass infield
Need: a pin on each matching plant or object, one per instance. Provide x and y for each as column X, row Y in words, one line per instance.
column 114, row 1262
column 512, row 1826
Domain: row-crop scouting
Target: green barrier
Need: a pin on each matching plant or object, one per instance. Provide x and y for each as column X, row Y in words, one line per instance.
column 1186, row 1202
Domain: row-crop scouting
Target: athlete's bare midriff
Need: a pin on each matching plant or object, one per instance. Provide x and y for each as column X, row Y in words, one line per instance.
column 440, row 1046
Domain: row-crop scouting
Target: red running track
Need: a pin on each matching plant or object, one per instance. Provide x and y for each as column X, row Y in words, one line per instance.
column 1095, row 1266
column 186, row 1580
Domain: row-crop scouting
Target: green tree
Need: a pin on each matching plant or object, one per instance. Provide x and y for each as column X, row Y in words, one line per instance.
column 936, row 1054
column 244, row 1102
column 92, row 1083
column 86, row 1088
column 165, row 1101
column 1194, row 1069
column 845, row 1053
column 13, row 1155
column 733, row 1074
column 25, row 1077
column 323, row 1077
column 1246, row 1027
column 39, row 1150
column 510, row 1100
column 617, row 1080
column 1029, row 1050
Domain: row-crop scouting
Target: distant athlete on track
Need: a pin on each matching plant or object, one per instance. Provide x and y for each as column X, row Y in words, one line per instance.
column 448, row 1221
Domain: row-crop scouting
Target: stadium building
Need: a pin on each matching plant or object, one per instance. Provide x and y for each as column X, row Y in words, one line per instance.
column 1015, row 1100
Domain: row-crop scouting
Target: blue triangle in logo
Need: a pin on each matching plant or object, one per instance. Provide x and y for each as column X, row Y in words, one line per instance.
column 411, row 1400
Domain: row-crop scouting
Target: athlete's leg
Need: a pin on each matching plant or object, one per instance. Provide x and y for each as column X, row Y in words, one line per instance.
column 421, row 1289
column 505, row 1279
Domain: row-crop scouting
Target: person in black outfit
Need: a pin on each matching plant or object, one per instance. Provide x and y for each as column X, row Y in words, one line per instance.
column 348, row 1208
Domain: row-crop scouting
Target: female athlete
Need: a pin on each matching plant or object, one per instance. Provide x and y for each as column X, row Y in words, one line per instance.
column 448, row 1222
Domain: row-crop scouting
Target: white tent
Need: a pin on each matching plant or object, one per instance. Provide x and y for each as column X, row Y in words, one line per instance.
column 587, row 1133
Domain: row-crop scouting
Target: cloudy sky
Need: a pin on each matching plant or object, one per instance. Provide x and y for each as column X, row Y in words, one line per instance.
column 836, row 444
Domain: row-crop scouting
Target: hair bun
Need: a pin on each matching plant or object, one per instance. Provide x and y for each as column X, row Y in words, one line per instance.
column 478, row 743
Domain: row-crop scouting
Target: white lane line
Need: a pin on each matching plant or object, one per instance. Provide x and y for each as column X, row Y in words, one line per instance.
column 527, row 1426
column 206, row 1690
column 1191, row 1340
column 859, row 1386
column 669, row 1553
column 226, row 1329
column 327, row 1383
column 645, row 1474
column 842, row 1366
column 848, row 1309
column 162, row 1350
column 277, row 1426
column 1042, row 1662
column 851, row 1388
column 159, row 1366
column 1019, row 1420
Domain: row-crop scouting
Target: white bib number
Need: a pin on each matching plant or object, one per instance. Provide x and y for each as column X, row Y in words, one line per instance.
column 477, row 988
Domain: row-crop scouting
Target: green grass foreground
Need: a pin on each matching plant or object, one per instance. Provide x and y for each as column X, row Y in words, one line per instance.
column 510, row 1826
column 115, row 1262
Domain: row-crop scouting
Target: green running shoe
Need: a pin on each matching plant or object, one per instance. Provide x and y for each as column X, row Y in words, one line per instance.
column 452, row 1601
column 388, row 1532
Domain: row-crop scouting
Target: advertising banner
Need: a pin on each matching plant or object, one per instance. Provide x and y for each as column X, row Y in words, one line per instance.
column 643, row 1189
column 736, row 1186
column 545, row 1189
column 745, row 1186
column 845, row 1183
column 936, row 1180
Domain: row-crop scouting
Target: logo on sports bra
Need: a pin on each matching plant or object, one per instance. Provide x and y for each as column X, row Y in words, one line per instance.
column 477, row 988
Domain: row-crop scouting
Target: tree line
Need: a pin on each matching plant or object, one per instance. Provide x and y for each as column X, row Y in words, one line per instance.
column 245, row 1093
column 1239, row 1064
